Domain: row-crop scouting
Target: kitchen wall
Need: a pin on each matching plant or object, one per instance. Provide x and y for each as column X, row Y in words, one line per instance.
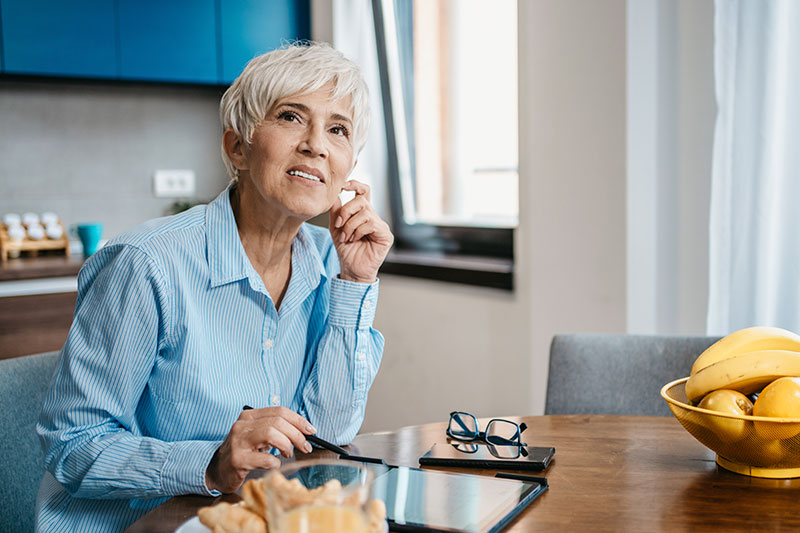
column 88, row 151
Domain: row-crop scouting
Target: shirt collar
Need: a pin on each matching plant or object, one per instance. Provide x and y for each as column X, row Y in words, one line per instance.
column 306, row 257
column 228, row 261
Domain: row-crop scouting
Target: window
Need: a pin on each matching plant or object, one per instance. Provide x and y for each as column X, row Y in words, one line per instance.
column 449, row 85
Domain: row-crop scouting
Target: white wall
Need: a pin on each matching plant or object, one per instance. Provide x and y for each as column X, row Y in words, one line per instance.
column 451, row 347
column 486, row 351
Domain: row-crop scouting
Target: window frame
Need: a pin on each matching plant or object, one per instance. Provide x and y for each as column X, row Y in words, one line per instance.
column 423, row 239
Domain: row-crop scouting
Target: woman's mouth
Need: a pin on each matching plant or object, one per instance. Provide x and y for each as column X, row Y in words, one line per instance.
column 306, row 175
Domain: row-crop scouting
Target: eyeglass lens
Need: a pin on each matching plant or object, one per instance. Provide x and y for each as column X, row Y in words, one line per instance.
column 463, row 426
column 502, row 432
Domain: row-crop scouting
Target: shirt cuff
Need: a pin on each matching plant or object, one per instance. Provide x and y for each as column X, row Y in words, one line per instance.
column 185, row 468
column 353, row 304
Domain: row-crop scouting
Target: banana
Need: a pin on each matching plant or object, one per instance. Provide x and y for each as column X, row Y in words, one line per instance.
column 746, row 373
column 745, row 341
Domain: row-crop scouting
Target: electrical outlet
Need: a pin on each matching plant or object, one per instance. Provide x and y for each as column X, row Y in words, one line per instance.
column 173, row 183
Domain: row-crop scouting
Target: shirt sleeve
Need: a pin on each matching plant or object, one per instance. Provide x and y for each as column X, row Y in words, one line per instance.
column 347, row 359
column 120, row 324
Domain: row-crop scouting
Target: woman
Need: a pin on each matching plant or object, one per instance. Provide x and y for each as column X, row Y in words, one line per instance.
column 183, row 321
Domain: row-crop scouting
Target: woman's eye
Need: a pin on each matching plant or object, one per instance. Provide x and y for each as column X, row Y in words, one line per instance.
column 289, row 116
column 340, row 130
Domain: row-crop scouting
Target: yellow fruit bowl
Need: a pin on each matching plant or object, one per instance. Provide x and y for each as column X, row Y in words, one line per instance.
column 751, row 445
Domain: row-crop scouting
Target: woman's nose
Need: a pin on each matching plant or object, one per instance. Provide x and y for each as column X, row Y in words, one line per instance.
column 313, row 142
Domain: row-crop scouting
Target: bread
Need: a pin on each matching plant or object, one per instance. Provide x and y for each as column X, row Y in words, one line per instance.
column 251, row 515
column 254, row 495
column 226, row 518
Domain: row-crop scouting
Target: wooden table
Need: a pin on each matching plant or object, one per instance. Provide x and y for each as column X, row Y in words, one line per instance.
column 610, row 473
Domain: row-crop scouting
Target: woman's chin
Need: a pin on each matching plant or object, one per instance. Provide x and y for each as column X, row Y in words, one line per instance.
column 307, row 211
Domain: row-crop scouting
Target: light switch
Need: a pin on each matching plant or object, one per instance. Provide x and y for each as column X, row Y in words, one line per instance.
column 173, row 183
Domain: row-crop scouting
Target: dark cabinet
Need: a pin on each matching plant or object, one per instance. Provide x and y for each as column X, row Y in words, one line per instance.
column 58, row 38
column 35, row 323
column 184, row 41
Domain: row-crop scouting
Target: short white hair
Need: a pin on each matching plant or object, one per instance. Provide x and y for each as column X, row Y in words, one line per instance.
column 297, row 68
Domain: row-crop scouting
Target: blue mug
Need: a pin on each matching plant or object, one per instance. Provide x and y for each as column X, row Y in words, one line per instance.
column 89, row 235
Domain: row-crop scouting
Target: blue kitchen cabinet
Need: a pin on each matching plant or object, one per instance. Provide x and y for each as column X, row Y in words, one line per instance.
column 168, row 41
column 59, row 38
column 251, row 27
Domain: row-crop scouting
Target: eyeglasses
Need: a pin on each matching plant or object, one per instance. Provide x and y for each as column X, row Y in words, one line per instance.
column 464, row 426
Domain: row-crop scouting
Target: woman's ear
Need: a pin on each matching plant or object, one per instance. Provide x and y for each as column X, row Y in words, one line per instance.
column 235, row 148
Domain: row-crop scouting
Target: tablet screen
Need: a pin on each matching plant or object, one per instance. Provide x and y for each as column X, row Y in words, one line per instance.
column 451, row 502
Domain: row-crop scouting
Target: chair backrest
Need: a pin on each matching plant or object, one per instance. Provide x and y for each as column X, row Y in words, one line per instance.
column 617, row 374
column 23, row 384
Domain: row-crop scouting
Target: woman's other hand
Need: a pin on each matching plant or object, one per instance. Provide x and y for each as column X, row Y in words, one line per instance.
column 254, row 431
column 361, row 237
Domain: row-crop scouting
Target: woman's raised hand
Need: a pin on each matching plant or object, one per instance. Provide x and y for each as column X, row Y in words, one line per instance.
column 361, row 237
column 243, row 450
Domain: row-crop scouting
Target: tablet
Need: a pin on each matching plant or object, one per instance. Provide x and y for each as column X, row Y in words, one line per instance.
column 426, row 500
column 476, row 455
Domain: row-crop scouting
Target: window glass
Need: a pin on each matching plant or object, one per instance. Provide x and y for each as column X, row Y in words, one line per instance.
column 452, row 70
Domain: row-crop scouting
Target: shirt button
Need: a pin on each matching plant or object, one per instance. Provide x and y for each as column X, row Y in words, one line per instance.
column 368, row 304
column 361, row 356
column 275, row 400
column 268, row 344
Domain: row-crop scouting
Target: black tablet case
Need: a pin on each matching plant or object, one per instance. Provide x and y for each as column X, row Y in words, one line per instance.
column 496, row 464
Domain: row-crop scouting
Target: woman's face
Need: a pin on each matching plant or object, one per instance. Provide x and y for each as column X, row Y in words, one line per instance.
column 301, row 154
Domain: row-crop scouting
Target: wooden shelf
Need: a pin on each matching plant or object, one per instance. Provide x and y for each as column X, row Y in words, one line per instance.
column 29, row 247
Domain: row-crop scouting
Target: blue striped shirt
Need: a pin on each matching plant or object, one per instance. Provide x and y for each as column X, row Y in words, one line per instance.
column 174, row 331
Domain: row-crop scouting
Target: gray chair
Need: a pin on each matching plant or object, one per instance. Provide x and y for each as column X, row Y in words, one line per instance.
column 23, row 383
column 617, row 374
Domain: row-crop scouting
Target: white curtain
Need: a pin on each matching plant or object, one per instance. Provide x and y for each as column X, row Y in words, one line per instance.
column 754, row 260
column 354, row 36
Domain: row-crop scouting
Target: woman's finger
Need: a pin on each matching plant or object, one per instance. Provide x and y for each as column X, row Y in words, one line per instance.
column 333, row 212
column 352, row 207
column 361, row 189
column 289, row 436
column 274, row 437
column 293, row 418
column 255, row 460
column 354, row 222
column 364, row 230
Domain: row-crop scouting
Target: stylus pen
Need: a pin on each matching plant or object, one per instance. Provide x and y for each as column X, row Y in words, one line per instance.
column 318, row 441
column 325, row 444
column 522, row 477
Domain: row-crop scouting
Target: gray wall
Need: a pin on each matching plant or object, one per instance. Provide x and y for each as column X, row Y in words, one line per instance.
column 88, row 152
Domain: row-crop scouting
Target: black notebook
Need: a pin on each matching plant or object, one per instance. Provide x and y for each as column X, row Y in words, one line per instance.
column 472, row 455
column 427, row 500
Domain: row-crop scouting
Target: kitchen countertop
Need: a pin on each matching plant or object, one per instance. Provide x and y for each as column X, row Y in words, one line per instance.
column 49, row 266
